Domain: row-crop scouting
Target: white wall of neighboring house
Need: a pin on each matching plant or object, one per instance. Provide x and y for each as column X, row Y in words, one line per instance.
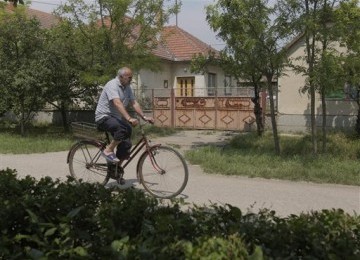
column 294, row 106
column 147, row 80
column 220, row 76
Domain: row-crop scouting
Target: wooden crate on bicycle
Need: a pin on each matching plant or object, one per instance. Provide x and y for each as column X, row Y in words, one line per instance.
column 84, row 130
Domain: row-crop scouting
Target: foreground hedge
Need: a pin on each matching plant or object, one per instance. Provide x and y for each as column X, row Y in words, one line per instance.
column 50, row 219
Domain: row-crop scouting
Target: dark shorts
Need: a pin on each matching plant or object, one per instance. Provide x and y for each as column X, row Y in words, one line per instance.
column 119, row 129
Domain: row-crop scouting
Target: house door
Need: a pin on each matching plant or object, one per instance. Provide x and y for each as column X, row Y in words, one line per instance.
column 185, row 87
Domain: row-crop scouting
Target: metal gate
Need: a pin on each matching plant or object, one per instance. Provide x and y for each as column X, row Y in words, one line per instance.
column 210, row 112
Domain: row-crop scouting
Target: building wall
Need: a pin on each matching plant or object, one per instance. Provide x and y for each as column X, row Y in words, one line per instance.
column 153, row 81
column 294, row 106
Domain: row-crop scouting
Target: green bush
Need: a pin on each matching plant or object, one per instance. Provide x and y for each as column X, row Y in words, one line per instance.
column 249, row 155
column 49, row 219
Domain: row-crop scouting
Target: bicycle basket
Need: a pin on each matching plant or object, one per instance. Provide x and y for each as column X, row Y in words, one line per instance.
column 86, row 130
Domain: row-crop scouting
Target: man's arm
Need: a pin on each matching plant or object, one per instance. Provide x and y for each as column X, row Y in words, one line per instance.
column 139, row 111
column 120, row 107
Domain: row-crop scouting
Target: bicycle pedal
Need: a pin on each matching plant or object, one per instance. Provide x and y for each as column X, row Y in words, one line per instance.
column 121, row 181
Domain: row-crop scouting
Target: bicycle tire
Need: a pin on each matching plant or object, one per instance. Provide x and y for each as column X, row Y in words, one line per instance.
column 174, row 172
column 87, row 164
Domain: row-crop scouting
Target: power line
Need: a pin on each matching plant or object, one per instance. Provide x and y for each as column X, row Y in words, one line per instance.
column 45, row 3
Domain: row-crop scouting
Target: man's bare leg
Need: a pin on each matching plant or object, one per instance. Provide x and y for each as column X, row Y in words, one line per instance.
column 111, row 147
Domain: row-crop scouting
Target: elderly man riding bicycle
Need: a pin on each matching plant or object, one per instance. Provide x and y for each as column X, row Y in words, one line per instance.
column 111, row 114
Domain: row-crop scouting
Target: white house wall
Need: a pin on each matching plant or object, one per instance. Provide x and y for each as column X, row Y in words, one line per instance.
column 220, row 76
column 148, row 80
column 294, row 106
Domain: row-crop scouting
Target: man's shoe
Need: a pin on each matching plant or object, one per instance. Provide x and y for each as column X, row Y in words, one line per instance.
column 110, row 157
column 111, row 171
column 121, row 181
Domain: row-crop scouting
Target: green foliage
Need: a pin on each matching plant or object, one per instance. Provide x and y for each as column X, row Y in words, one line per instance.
column 249, row 155
column 156, row 131
column 23, row 65
column 49, row 138
column 348, row 15
column 117, row 33
column 15, row 2
column 216, row 248
column 37, row 139
column 253, row 35
column 68, row 59
column 49, row 219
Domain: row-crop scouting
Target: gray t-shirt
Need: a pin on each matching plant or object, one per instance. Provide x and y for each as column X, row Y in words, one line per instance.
column 113, row 89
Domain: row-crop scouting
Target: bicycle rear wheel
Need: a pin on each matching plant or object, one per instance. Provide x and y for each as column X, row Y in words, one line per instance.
column 87, row 164
column 163, row 172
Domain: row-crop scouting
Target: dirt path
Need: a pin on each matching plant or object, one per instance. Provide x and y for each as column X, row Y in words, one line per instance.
column 284, row 197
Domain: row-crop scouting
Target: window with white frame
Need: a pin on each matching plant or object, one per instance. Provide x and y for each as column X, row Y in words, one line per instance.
column 211, row 84
column 347, row 92
column 227, row 85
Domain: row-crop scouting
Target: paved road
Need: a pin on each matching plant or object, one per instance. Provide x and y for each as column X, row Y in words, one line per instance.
column 246, row 193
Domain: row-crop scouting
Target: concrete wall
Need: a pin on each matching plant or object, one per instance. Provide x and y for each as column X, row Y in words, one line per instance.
column 294, row 106
column 147, row 80
column 54, row 117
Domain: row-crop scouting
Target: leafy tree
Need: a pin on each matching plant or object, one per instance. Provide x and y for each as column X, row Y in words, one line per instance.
column 94, row 40
column 327, row 71
column 15, row 2
column 117, row 33
column 244, row 71
column 236, row 69
column 348, row 15
column 314, row 20
column 253, row 41
column 328, row 77
column 22, row 61
column 64, row 58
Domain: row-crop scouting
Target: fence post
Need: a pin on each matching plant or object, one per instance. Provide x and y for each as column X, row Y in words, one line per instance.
column 216, row 109
column 172, row 107
column 153, row 103
column 263, row 106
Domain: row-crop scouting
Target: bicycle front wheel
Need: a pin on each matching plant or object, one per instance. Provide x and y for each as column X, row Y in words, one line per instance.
column 163, row 172
column 87, row 164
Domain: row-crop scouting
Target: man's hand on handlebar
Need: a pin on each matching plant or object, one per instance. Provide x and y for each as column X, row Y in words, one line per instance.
column 149, row 119
column 133, row 121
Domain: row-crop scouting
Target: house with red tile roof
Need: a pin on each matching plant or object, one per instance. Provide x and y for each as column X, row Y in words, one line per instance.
column 294, row 106
column 46, row 20
column 176, row 48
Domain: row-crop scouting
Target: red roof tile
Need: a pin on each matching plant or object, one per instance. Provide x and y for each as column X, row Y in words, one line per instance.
column 174, row 43
column 178, row 45
column 46, row 20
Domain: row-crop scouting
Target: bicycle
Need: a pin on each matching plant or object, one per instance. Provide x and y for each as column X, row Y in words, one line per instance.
column 160, row 169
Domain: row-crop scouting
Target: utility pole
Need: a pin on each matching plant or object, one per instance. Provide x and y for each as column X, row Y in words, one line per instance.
column 176, row 15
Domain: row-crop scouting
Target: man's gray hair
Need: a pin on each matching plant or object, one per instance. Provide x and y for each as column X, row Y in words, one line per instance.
column 123, row 71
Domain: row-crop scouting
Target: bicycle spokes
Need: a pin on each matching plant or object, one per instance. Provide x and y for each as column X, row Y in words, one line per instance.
column 156, row 166
column 163, row 172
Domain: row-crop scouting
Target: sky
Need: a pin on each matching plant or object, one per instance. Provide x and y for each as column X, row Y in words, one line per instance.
column 192, row 18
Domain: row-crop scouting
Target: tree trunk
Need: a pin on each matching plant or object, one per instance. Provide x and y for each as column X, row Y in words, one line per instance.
column 273, row 116
column 258, row 112
column 313, row 119
column 22, row 119
column 323, row 127
column 357, row 126
column 64, row 117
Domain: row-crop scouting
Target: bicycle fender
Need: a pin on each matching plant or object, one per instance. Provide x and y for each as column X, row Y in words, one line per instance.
column 97, row 143
column 140, row 158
